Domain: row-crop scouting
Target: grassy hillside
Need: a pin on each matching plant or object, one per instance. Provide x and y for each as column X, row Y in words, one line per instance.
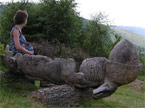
column 136, row 39
column 137, row 30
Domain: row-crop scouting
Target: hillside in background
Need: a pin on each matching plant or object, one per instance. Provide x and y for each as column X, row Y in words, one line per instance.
column 134, row 34
column 136, row 39
column 137, row 30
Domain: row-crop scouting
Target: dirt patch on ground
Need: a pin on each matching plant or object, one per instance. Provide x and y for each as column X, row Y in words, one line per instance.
column 136, row 86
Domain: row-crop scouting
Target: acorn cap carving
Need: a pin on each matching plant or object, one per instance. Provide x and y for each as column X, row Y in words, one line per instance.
column 124, row 66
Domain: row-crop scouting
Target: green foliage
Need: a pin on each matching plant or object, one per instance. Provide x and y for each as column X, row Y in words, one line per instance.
column 142, row 60
column 49, row 20
column 2, row 52
column 2, row 67
column 60, row 20
column 142, row 78
column 57, row 21
column 143, row 88
column 96, row 37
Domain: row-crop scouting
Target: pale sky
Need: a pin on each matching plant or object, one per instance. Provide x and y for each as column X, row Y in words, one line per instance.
column 120, row 12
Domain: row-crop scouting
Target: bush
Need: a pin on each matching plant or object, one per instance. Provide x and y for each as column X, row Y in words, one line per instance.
column 61, row 21
column 50, row 20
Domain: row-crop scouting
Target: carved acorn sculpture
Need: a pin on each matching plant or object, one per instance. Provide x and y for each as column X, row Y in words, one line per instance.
column 100, row 75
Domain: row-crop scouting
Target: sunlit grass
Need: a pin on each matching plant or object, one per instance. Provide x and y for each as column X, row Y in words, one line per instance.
column 124, row 97
column 127, row 97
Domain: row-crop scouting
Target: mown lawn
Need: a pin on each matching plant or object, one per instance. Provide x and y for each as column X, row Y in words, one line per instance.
column 14, row 95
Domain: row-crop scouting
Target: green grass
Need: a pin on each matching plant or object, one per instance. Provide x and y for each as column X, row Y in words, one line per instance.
column 142, row 78
column 14, row 94
column 143, row 87
column 101, row 104
column 128, row 97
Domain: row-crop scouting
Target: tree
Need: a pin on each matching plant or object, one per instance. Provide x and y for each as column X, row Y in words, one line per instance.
column 51, row 20
column 60, row 20
column 97, row 40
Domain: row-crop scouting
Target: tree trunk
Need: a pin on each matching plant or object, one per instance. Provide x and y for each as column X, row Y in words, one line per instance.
column 61, row 95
